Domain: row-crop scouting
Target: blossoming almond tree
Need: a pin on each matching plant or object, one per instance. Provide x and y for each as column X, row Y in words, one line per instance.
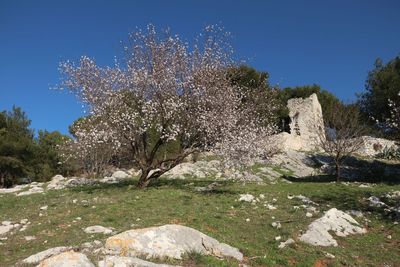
column 169, row 92
column 394, row 120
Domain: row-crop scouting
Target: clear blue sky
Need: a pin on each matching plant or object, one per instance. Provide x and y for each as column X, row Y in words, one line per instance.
column 331, row 43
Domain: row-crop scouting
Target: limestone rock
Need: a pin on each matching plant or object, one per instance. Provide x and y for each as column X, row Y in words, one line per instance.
column 286, row 243
column 57, row 182
column 247, row 198
column 198, row 169
column 33, row 190
column 168, row 241
column 5, row 228
column 120, row 175
column 67, row 259
column 334, row 220
column 115, row 261
column 97, row 229
column 372, row 146
column 38, row 257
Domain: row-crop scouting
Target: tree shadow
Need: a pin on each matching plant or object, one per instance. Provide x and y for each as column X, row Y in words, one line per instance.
column 180, row 184
column 353, row 169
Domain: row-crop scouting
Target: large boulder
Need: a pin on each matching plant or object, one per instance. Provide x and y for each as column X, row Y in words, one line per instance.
column 116, row 261
column 67, row 259
column 339, row 222
column 38, row 257
column 168, row 241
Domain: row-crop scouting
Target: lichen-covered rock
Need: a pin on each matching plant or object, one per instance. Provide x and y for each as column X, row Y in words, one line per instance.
column 38, row 257
column 67, row 259
column 339, row 222
column 168, row 241
column 115, row 261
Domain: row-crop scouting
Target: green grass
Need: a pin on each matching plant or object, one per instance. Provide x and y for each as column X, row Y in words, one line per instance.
column 217, row 213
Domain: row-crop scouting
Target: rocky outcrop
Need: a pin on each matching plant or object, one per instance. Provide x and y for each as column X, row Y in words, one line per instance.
column 38, row 257
column 116, row 261
column 334, row 220
column 372, row 146
column 67, row 259
column 198, row 169
column 168, row 241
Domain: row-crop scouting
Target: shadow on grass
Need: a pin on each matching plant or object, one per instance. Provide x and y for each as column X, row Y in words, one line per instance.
column 354, row 169
column 346, row 198
column 181, row 184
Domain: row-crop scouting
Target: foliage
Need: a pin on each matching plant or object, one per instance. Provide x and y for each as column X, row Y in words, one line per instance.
column 167, row 92
column 390, row 153
column 22, row 155
column 382, row 85
column 16, row 146
column 256, row 92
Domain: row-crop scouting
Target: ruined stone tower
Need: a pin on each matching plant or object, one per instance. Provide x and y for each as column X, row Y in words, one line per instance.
column 307, row 123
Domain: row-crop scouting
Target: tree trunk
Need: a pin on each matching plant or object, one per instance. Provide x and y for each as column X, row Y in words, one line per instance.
column 337, row 172
column 143, row 180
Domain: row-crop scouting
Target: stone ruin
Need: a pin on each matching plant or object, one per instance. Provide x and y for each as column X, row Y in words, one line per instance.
column 306, row 125
column 307, row 128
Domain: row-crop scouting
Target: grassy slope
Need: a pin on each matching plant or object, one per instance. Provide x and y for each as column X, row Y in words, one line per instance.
column 217, row 214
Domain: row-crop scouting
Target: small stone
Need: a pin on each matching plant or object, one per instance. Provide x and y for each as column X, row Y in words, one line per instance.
column 247, row 220
column 97, row 229
column 246, row 198
column 277, row 238
column 329, row 255
column 271, row 207
column 44, row 207
column 261, row 196
column 24, row 221
column 29, row 238
column 389, row 237
column 75, row 201
column 286, row 243
column 309, row 215
column 276, row 225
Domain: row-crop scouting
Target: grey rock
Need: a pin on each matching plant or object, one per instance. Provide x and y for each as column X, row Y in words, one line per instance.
column 120, row 175
column 116, row 261
column 38, row 257
column 97, row 229
column 33, row 190
column 67, row 259
column 286, row 243
column 342, row 224
column 168, row 241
